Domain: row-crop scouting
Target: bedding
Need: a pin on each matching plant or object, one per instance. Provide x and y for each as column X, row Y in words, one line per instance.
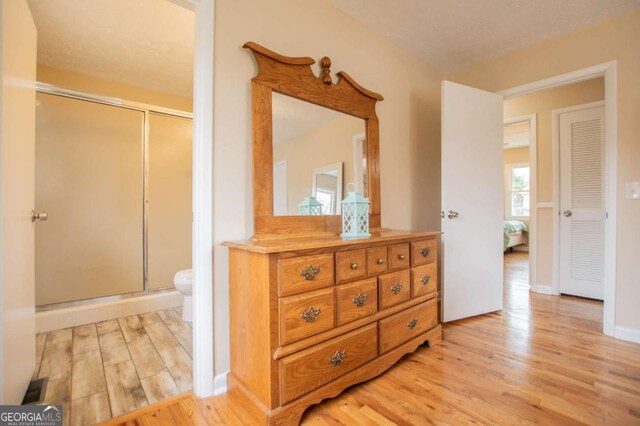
column 515, row 233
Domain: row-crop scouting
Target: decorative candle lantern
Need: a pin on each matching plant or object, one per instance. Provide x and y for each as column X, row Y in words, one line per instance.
column 310, row 206
column 355, row 216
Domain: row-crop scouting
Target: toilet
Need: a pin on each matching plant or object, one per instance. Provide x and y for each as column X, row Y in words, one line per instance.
column 183, row 281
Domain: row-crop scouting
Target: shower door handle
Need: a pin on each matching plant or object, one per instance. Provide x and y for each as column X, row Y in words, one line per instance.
column 38, row 215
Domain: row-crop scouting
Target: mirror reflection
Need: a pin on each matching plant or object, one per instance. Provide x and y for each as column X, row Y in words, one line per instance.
column 316, row 153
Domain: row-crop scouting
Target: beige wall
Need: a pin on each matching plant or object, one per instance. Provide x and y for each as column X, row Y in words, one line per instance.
column 98, row 86
column 409, row 118
column 516, row 155
column 542, row 104
column 616, row 38
column 323, row 146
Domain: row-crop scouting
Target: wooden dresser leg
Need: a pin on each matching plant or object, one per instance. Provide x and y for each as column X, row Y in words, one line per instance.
column 435, row 335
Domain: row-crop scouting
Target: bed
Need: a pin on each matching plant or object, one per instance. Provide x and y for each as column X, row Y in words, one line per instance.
column 515, row 233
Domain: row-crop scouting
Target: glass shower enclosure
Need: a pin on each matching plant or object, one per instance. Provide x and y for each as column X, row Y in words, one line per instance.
column 115, row 180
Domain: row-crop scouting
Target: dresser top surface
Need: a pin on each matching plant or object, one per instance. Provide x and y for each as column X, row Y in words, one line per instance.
column 307, row 243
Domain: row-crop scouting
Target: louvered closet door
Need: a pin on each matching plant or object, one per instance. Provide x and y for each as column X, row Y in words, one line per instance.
column 582, row 211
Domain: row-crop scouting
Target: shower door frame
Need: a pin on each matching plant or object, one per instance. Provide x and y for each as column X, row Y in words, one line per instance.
column 146, row 110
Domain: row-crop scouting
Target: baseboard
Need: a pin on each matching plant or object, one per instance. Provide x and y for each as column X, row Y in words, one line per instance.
column 628, row 334
column 56, row 319
column 220, row 383
column 542, row 289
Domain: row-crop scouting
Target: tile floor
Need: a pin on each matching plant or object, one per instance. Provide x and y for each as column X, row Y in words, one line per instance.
column 103, row 370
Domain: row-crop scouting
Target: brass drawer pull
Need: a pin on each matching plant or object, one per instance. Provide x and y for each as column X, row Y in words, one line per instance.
column 338, row 358
column 412, row 324
column 354, row 266
column 425, row 252
column 425, row 279
column 310, row 272
column 380, row 261
column 395, row 289
column 401, row 257
column 360, row 300
column 310, row 315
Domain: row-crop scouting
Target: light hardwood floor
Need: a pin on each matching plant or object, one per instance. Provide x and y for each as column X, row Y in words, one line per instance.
column 103, row 370
column 542, row 360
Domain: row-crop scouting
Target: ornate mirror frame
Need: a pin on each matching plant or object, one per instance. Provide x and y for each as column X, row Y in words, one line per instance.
column 294, row 77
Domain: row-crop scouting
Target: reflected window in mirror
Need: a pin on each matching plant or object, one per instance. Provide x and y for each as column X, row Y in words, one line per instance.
column 316, row 152
column 327, row 187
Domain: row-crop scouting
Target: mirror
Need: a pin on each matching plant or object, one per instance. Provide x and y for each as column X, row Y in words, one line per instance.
column 298, row 122
column 316, row 152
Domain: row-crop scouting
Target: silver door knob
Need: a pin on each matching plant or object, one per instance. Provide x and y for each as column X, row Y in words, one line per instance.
column 567, row 213
column 38, row 215
column 452, row 214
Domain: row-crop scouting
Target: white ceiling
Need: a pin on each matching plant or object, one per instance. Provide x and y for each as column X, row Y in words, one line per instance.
column 451, row 34
column 293, row 117
column 146, row 43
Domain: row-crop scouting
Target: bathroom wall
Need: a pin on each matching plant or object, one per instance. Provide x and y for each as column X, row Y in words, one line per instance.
column 98, row 86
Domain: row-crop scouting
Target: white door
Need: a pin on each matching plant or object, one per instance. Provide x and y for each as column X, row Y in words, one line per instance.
column 280, row 189
column 582, row 211
column 472, row 201
column 17, row 145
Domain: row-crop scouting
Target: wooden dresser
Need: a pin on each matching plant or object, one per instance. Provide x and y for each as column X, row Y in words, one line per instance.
column 310, row 317
column 312, row 313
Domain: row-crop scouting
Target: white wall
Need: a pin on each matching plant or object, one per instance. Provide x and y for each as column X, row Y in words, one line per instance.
column 409, row 118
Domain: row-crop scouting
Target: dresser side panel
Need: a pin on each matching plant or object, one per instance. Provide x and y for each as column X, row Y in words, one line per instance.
column 250, row 322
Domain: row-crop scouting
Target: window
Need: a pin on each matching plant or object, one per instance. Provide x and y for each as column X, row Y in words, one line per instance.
column 326, row 198
column 517, row 199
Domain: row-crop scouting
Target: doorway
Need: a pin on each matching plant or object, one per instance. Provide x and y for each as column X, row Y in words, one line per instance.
column 520, row 195
column 15, row 379
column 463, row 129
column 607, row 72
column 543, row 106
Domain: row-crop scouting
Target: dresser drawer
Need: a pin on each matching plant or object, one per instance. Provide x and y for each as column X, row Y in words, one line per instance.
column 306, row 370
column 351, row 265
column 399, row 256
column 423, row 252
column 424, row 279
column 394, row 288
column 405, row 325
column 356, row 300
column 300, row 274
column 305, row 315
column 377, row 260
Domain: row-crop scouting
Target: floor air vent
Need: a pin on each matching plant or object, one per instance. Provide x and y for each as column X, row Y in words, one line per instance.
column 35, row 392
